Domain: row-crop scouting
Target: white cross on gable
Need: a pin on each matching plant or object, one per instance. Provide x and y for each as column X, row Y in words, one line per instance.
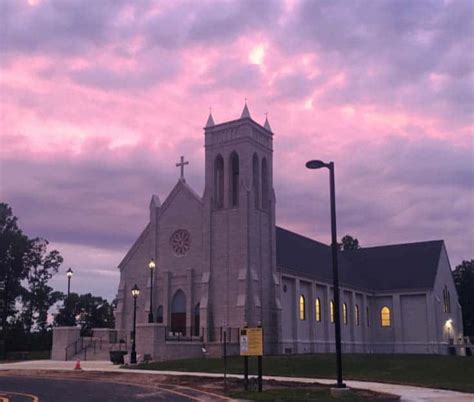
column 181, row 165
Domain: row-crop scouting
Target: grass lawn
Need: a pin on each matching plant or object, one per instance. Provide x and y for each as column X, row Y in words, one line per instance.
column 308, row 394
column 448, row 372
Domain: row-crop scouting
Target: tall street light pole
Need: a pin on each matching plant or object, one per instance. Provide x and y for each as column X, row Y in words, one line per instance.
column 315, row 164
column 151, row 266
column 69, row 274
column 135, row 294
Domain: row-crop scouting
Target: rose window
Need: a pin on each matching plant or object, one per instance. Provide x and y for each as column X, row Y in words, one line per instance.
column 180, row 242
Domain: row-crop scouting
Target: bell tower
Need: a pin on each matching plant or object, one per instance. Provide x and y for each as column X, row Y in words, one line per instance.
column 240, row 277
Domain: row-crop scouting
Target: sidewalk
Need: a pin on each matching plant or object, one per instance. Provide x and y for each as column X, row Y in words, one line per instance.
column 407, row 393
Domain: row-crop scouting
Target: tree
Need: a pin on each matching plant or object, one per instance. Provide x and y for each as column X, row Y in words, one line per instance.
column 86, row 310
column 25, row 269
column 37, row 298
column 349, row 243
column 464, row 280
column 14, row 253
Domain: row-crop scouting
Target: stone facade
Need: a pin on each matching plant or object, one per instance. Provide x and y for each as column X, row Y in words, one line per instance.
column 216, row 267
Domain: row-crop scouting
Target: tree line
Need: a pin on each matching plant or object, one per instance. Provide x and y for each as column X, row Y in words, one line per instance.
column 26, row 299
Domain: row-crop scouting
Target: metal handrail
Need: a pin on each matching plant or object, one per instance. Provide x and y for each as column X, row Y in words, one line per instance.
column 76, row 346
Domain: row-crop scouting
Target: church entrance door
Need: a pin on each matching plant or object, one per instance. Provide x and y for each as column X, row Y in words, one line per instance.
column 178, row 313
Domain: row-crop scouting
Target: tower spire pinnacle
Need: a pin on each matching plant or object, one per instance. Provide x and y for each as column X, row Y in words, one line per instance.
column 267, row 124
column 245, row 112
column 210, row 120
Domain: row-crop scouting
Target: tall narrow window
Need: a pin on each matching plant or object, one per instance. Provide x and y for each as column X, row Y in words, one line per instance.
column 265, row 189
column 317, row 306
column 256, row 180
column 357, row 314
column 302, row 308
column 344, row 313
column 446, row 300
column 445, row 306
column 331, row 311
column 159, row 315
column 367, row 316
column 219, row 182
column 385, row 319
column 234, row 179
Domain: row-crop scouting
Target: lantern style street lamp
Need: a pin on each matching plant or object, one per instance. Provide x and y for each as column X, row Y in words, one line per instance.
column 69, row 274
column 151, row 266
column 315, row 164
column 135, row 294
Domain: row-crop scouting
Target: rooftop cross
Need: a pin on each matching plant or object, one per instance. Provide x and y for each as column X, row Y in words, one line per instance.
column 181, row 165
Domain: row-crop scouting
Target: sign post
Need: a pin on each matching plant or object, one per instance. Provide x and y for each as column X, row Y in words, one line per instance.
column 251, row 344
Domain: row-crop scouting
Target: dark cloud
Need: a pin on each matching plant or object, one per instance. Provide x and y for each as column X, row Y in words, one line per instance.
column 209, row 23
column 389, row 52
column 55, row 26
column 398, row 191
column 100, row 200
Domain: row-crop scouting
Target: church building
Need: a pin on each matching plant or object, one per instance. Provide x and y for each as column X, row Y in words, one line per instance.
column 221, row 262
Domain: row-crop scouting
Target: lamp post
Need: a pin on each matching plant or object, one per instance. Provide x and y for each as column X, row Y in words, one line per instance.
column 135, row 293
column 152, row 266
column 69, row 274
column 315, row 164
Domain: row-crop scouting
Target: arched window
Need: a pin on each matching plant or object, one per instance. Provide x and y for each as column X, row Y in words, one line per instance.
column 302, row 308
column 357, row 314
column 317, row 306
column 367, row 316
column 256, row 180
column 219, row 181
column 234, row 179
column 344, row 313
column 265, row 189
column 385, row 317
column 159, row 315
column 331, row 311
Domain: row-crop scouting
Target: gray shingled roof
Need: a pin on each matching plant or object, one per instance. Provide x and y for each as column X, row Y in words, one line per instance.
column 394, row 267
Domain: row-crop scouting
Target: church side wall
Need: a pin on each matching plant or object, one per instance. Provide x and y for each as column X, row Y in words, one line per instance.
column 447, row 328
column 313, row 336
column 135, row 271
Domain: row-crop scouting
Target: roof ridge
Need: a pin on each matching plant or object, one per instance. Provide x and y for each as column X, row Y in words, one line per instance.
column 398, row 245
column 302, row 236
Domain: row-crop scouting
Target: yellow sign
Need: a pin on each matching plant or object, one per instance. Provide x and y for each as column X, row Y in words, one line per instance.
column 251, row 342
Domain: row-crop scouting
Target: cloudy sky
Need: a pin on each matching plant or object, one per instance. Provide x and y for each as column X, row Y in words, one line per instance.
column 98, row 99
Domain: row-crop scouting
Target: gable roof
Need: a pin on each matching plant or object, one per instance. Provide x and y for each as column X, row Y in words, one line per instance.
column 395, row 267
column 135, row 245
column 181, row 185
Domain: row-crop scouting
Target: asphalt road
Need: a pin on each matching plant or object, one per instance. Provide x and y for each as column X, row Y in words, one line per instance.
column 30, row 389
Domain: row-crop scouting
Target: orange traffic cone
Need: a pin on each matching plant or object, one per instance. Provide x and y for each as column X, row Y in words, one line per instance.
column 78, row 365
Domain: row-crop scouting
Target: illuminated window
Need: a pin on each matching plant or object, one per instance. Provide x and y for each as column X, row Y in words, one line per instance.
column 357, row 314
column 367, row 316
column 385, row 317
column 331, row 311
column 344, row 313
column 302, row 308
column 317, row 305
